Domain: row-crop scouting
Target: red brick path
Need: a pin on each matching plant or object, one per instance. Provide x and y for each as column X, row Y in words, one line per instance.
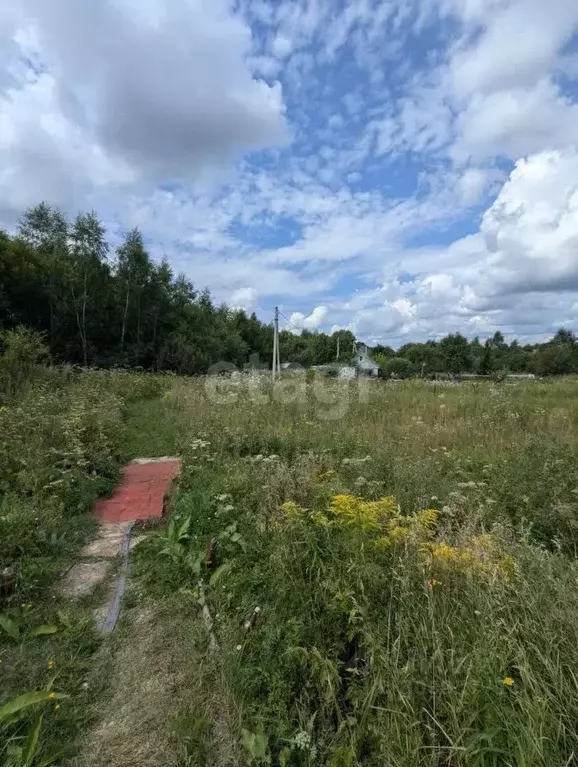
column 140, row 493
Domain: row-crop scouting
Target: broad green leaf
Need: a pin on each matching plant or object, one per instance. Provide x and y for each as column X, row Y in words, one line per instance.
column 10, row 626
column 219, row 572
column 43, row 630
column 184, row 529
column 26, row 700
column 29, row 751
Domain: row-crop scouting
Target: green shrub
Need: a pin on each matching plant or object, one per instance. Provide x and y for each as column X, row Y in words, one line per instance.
column 23, row 350
column 398, row 367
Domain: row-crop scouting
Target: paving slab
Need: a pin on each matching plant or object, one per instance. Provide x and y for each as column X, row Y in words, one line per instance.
column 82, row 578
column 141, row 492
column 108, row 542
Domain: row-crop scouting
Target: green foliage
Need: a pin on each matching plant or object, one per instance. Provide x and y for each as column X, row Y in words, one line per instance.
column 63, row 437
column 23, row 350
column 398, row 367
column 255, row 747
column 350, row 637
column 24, row 701
column 15, row 632
column 26, row 755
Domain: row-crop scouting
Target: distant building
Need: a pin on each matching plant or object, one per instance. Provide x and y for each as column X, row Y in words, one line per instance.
column 363, row 363
column 347, row 372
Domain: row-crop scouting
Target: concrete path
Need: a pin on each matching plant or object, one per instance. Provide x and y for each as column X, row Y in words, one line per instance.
column 141, row 494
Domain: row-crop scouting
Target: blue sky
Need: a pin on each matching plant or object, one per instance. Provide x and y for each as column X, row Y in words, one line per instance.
column 402, row 168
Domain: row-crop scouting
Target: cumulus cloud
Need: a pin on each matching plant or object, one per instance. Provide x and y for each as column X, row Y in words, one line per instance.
column 243, row 298
column 531, row 230
column 515, row 123
column 150, row 91
column 312, row 322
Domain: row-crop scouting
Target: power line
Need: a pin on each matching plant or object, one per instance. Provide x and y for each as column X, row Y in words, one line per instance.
column 290, row 323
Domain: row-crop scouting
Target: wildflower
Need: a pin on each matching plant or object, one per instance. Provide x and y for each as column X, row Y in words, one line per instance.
column 398, row 532
column 433, row 582
column 427, row 518
column 293, row 510
column 257, row 609
column 368, row 515
column 57, row 707
column 52, row 695
column 51, row 664
column 320, row 519
column 508, row 681
column 302, row 740
column 239, row 647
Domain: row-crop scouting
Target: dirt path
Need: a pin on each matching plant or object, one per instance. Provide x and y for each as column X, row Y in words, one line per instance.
column 165, row 681
column 141, row 494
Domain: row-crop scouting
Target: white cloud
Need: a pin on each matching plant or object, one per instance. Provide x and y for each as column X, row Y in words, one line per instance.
column 312, row 322
column 267, row 66
column 531, row 230
column 519, row 41
column 474, row 183
column 243, row 298
column 515, row 123
column 282, row 46
column 156, row 92
column 518, row 274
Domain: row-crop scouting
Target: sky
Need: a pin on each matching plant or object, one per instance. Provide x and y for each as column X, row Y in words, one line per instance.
column 401, row 168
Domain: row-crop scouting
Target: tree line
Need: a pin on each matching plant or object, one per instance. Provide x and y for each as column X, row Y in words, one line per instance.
column 99, row 307
column 456, row 355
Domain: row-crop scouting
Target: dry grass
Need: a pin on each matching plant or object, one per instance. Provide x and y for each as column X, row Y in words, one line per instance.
column 156, row 674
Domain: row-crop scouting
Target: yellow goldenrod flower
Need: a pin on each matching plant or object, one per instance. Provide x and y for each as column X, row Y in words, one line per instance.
column 508, row 681
column 52, row 695
column 320, row 518
column 293, row 510
column 398, row 532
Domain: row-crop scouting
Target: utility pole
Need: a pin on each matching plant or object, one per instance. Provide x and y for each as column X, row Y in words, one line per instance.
column 276, row 365
column 278, row 346
column 337, row 358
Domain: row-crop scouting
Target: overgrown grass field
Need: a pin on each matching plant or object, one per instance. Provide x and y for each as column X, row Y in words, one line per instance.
column 390, row 567
column 391, row 571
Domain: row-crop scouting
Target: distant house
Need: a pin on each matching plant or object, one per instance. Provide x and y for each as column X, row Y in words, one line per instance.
column 363, row 363
column 347, row 372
